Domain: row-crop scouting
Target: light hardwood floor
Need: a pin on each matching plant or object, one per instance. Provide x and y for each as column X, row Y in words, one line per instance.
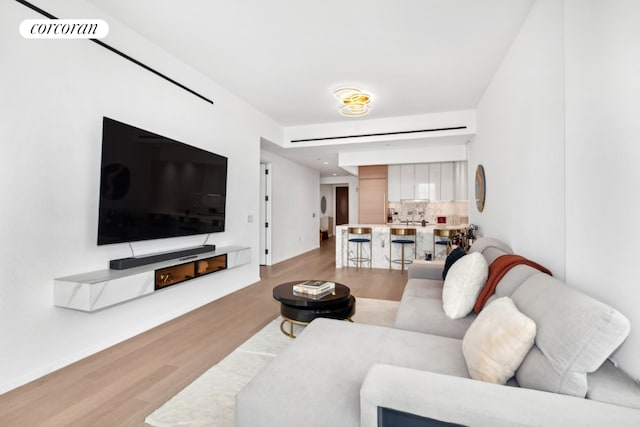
column 120, row 386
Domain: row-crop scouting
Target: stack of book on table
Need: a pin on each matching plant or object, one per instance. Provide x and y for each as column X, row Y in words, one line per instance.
column 314, row 288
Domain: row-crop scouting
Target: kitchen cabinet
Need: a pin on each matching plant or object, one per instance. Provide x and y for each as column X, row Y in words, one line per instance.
column 461, row 181
column 434, row 181
column 407, row 176
column 422, row 187
column 445, row 181
column 447, row 187
column 393, row 181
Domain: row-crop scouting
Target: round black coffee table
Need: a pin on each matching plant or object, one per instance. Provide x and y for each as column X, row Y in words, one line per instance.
column 300, row 310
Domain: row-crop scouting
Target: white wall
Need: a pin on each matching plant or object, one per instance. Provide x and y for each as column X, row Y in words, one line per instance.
column 557, row 134
column 54, row 94
column 603, row 95
column 328, row 192
column 295, row 207
column 520, row 142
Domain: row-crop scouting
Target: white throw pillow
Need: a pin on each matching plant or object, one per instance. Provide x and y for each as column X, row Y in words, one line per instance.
column 497, row 342
column 462, row 285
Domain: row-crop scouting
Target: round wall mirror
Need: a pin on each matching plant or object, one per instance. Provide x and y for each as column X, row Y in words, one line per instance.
column 323, row 204
column 481, row 188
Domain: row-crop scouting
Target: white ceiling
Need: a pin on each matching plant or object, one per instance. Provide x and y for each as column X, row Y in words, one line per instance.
column 285, row 57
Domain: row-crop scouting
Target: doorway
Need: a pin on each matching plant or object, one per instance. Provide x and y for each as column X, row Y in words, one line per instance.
column 342, row 205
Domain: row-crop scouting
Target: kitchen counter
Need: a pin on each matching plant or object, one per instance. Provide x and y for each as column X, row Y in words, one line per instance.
column 381, row 239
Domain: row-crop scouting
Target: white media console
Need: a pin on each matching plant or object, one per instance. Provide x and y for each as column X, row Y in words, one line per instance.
column 99, row 289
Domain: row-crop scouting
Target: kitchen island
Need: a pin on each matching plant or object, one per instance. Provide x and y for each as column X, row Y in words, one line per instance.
column 380, row 244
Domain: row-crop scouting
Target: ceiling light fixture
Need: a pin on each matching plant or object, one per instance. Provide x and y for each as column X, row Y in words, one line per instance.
column 353, row 101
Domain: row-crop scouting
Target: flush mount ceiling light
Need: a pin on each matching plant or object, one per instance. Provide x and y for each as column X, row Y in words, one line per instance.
column 353, row 102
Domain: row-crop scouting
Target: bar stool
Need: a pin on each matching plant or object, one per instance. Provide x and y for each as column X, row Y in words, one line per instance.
column 402, row 241
column 363, row 235
column 445, row 235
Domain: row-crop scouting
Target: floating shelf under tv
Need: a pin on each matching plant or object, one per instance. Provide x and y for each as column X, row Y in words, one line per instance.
column 99, row 289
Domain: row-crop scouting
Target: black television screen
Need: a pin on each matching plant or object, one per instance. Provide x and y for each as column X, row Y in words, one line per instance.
column 153, row 187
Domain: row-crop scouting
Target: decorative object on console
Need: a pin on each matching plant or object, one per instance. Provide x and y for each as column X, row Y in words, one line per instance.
column 462, row 285
column 166, row 278
column 203, row 266
column 497, row 342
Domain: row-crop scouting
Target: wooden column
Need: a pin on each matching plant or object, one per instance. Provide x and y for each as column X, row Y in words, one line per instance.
column 372, row 194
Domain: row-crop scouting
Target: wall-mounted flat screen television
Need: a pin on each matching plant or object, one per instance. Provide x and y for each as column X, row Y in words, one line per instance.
column 153, row 187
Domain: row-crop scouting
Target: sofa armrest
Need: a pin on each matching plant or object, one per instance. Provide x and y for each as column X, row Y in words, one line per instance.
column 476, row 403
column 425, row 271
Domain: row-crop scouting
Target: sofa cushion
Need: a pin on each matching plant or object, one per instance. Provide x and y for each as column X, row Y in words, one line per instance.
column 513, row 279
column 426, row 315
column 424, row 288
column 462, row 285
column 575, row 335
column 425, row 271
column 497, row 270
column 491, row 248
column 609, row 384
column 497, row 342
column 454, row 256
column 330, row 360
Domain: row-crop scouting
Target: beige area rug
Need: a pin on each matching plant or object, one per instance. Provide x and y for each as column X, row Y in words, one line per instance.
column 210, row 399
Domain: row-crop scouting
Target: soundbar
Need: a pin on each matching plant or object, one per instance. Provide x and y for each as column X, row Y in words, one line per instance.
column 182, row 255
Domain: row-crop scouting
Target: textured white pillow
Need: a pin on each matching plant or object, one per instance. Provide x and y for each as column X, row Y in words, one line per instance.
column 497, row 342
column 462, row 285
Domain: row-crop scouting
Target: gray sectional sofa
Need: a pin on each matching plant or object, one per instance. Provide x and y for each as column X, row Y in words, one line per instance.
column 348, row 374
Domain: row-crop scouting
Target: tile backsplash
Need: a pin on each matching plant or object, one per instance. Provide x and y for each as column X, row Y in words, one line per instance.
column 456, row 212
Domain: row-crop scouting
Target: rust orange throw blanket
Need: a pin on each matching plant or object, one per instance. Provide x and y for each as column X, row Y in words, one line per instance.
column 497, row 270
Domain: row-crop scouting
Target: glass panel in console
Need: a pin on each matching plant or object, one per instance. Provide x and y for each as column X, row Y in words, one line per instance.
column 174, row 275
column 211, row 265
